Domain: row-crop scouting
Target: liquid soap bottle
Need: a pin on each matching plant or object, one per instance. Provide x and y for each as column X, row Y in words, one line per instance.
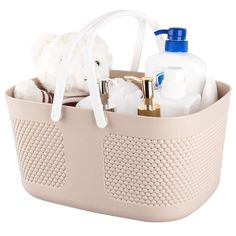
column 176, row 54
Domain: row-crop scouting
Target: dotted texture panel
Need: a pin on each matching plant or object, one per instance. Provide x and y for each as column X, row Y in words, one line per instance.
column 162, row 172
column 41, row 153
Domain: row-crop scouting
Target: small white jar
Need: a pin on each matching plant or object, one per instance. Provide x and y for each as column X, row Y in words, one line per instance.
column 172, row 96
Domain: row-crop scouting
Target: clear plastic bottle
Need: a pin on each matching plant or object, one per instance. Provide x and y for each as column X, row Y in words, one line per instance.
column 176, row 54
column 173, row 97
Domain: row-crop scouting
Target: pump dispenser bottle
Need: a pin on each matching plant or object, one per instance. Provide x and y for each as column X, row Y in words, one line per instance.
column 85, row 103
column 148, row 108
column 176, row 54
column 104, row 94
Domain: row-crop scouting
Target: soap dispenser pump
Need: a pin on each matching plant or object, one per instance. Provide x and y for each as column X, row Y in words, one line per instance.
column 105, row 94
column 148, row 108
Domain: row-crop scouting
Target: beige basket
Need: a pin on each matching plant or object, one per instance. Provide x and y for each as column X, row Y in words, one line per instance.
column 152, row 169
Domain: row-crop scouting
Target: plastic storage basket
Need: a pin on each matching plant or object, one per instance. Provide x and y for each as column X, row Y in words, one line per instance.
column 152, row 169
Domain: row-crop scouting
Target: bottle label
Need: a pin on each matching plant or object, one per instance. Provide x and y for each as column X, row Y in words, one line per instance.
column 158, row 78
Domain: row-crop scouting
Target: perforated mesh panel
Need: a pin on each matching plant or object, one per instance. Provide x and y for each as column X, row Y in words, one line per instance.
column 162, row 172
column 41, row 152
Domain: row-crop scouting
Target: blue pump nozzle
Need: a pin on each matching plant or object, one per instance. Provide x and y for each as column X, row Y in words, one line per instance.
column 176, row 39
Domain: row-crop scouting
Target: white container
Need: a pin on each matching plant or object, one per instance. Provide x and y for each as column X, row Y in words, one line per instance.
column 173, row 98
column 176, row 54
column 210, row 94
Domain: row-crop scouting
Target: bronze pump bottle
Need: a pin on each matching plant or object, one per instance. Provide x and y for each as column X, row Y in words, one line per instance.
column 148, row 108
column 104, row 94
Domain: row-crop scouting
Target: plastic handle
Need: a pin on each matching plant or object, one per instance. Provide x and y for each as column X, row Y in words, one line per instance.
column 62, row 73
column 92, row 84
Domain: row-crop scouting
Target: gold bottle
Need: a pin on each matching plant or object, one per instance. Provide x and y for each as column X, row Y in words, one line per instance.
column 148, row 108
column 104, row 94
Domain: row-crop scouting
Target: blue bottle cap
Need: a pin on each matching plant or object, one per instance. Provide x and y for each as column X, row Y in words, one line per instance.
column 176, row 39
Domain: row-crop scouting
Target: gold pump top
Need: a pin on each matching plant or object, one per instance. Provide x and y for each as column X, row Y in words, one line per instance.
column 148, row 108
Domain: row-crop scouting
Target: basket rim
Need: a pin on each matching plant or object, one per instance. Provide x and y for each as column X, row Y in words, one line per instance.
column 224, row 90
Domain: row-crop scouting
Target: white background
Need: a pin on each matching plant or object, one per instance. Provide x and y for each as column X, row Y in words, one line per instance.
column 211, row 35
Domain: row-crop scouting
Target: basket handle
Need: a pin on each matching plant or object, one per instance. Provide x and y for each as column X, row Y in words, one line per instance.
column 92, row 29
column 62, row 73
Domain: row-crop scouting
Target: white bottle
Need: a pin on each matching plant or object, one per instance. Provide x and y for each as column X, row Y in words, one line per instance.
column 173, row 97
column 176, row 54
column 209, row 94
